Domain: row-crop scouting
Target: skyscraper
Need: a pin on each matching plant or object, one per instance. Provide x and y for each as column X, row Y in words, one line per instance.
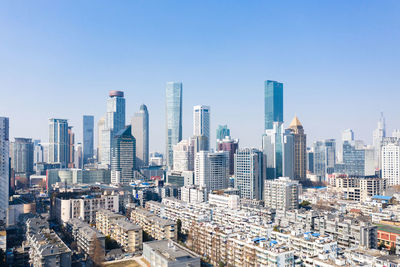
column 249, row 173
column 378, row 136
column 22, row 156
column 38, row 155
column 71, row 148
column 4, row 167
column 58, row 142
column 88, row 138
column 201, row 121
column 278, row 148
column 324, row 158
column 123, row 157
column 114, row 122
column 212, row 170
column 173, row 121
column 300, row 149
column 348, row 135
column 273, row 105
column 140, row 130
column 222, row 132
column 100, row 128
column 230, row 145
column 78, row 156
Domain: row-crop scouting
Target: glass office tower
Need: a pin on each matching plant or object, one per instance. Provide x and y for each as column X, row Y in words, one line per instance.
column 273, row 94
column 173, row 118
column 88, row 138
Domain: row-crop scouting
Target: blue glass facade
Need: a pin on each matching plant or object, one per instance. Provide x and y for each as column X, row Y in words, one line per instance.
column 88, row 137
column 173, row 118
column 273, row 100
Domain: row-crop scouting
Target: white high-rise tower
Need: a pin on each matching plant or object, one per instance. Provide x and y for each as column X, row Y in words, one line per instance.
column 201, row 122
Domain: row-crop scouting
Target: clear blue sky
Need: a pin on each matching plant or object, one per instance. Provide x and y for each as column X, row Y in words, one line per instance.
column 339, row 62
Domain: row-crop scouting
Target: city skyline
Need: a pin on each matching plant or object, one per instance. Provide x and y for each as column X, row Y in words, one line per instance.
column 338, row 56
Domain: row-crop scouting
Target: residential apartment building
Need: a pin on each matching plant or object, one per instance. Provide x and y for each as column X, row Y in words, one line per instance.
column 157, row 227
column 83, row 207
column 281, row 194
column 45, row 247
column 127, row 234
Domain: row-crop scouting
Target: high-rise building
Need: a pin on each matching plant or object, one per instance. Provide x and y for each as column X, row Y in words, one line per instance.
column 22, row 156
column 88, row 138
column 100, row 128
column 273, row 105
column 4, row 167
column 353, row 160
column 249, row 173
column 184, row 155
column 140, row 130
column 222, row 132
column 324, row 158
column 211, row 170
column 123, row 157
column 173, row 119
column 58, row 142
column 300, row 149
column 230, row 145
column 378, row 136
column 38, row 155
column 391, row 160
column 310, row 159
column 71, row 148
column 78, row 156
column 201, row 122
column 114, row 122
column 201, row 143
column 278, row 148
column 281, row 194
column 348, row 135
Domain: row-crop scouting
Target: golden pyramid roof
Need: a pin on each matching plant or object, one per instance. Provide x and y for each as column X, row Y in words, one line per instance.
column 295, row 123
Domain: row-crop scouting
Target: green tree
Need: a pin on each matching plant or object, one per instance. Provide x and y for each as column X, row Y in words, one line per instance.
column 179, row 228
column 3, row 258
column 392, row 250
column 381, row 245
column 276, row 228
column 305, row 203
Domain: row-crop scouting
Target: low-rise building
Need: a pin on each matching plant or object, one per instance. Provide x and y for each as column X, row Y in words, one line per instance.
column 45, row 247
column 83, row 207
column 127, row 234
column 169, row 254
column 86, row 237
column 157, row 227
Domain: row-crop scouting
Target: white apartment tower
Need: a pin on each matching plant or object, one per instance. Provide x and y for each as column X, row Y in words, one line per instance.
column 390, row 154
column 249, row 173
column 183, row 159
column 281, row 194
column 212, row 170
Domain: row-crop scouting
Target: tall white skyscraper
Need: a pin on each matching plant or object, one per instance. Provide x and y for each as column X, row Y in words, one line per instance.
column 391, row 160
column 378, row 135
column 4, row 167
column 212, row 170
column 201, row 122
column 249, row 173
column 58, row 142
column 140, row 130
column 100, row 128
column 348, row 135
column 173, row 119
column 114, row 122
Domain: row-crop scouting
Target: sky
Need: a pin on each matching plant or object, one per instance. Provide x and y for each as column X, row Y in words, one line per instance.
column 339, row 62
